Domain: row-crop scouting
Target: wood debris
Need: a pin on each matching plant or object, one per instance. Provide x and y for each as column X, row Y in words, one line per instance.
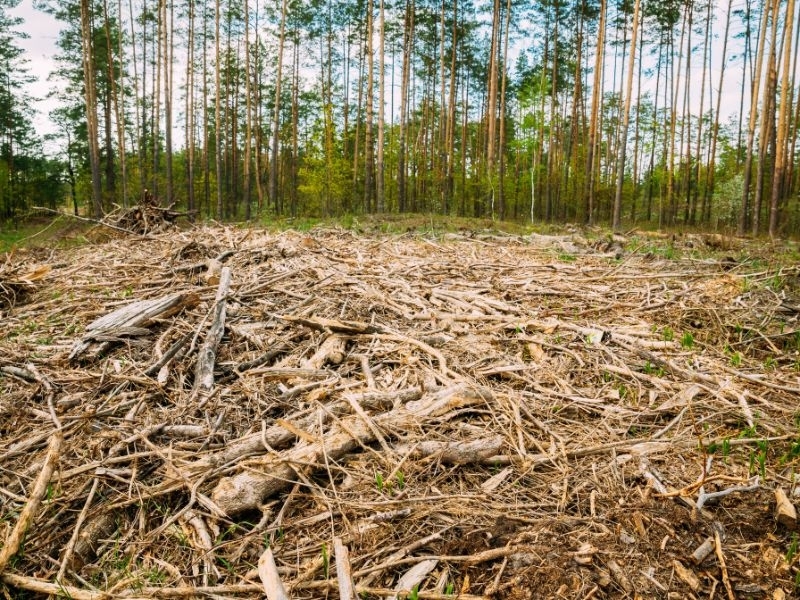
column 244, row 413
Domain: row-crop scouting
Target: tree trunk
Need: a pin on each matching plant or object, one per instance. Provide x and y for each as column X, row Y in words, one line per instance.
column 709, row 191
column 168, row 74
column 90, row 100
column 783, row 119
column 248, row 135
column 218, row 109
column 190, row 109
column 615, row 222
column 408, row 44
column 588, row 193
column 744, row 211
column 369, row 158
column 491, row 110
column 502, row 141
column 380, row 191
column 766, row 131
column 273, row 170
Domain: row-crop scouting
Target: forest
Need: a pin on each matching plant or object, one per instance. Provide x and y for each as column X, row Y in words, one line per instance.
column 651, row 113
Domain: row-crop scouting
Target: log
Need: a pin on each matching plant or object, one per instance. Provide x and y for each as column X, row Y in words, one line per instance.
column 269, row 475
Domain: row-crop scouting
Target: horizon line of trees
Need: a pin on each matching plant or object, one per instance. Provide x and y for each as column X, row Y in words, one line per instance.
column 556, row 110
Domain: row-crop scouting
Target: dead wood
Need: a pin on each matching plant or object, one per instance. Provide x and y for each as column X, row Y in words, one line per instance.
column 207, row 355
column 132, row 319
column 480, row 405
column 265, row 477
column 12, row 543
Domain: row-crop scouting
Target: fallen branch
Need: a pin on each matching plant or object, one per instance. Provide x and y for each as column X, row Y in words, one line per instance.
column 28, row 514
column 207, row 355
column 269, row 475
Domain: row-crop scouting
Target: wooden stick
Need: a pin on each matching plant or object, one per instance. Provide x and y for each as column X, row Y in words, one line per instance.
column 207, row 355
column 70, row 548
column 343, row 571
column 26, row 517
column 270, row 579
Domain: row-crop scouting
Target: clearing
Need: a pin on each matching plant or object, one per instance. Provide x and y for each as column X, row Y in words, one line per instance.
column 228, row 413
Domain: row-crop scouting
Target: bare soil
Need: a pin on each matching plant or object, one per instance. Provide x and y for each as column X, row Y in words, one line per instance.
column 505, row 416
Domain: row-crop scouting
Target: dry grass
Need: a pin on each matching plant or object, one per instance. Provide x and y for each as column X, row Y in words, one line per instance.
column 537, row 416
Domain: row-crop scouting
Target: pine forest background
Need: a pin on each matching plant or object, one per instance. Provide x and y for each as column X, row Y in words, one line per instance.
column 532, row 110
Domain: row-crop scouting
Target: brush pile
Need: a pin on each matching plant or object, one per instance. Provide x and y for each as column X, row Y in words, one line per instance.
column 146, row 217
column 230, row 413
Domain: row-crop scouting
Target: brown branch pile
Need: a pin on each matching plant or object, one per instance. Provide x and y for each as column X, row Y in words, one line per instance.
column 144, row 218
column 232, row 413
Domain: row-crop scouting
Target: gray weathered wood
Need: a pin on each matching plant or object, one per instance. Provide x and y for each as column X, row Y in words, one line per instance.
column 132, row 319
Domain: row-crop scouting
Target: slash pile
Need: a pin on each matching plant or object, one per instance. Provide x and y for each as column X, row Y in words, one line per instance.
column 228, row 413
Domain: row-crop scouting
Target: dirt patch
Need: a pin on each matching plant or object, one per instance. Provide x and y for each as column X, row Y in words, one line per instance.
column 500, row 416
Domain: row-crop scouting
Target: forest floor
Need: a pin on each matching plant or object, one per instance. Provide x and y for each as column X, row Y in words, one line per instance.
column 227, row 413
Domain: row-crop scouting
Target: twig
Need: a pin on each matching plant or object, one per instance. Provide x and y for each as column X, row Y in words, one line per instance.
column 270, row 579
column 723, row 567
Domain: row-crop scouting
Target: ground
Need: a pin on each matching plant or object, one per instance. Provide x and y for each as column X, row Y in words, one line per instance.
column 482, row 414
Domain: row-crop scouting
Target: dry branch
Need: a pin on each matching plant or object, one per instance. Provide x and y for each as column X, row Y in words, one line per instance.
column 12, row 543
column 344, row 574
column 552, row 386
column 246, row 491
column 270, row 579
column 207, row 356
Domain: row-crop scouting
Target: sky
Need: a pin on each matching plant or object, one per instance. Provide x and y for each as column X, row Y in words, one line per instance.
column 40, row 49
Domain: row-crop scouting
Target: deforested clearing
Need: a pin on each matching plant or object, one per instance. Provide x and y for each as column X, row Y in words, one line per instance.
column 231, row 413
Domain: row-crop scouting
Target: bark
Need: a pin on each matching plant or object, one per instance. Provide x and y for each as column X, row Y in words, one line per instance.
column 709, row 191
column 403, row 125
column 379, row 168
column 218, row 108
column 766, row 130
column 273, row 170
column 248, row 136
column 369, row 157
column 491, row 110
